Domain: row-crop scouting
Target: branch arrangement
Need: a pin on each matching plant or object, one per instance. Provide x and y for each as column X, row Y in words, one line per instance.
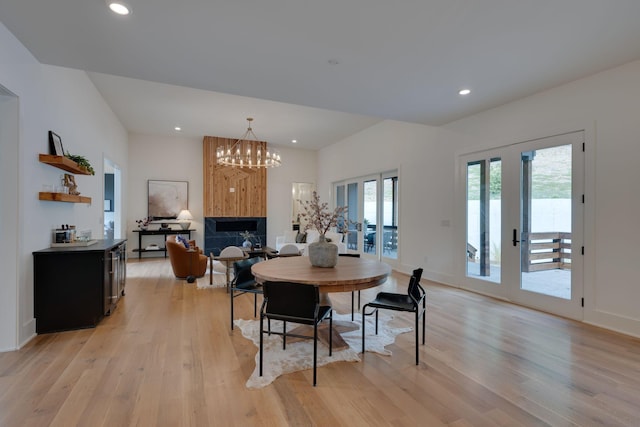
column 319, row 216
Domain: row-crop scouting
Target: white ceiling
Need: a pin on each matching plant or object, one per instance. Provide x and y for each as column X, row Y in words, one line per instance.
column 213, row 62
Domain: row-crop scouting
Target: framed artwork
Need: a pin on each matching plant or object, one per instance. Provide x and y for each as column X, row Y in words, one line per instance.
column 167, row 199
column 55, row 144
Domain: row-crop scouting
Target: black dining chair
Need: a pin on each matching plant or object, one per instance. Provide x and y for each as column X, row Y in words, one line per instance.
column 297, row 303
column 353, row 255
column 244, row 282
column 413, row 301
column 369, row 241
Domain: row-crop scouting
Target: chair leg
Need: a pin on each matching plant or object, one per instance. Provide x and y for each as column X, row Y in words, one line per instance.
column 284, row 335
column 417, row 325
column 231, row 295
column 255, row 305
column 424, row 321
column 330, row 333
column 376, row 321
column 352, row 301
column 261, row 342
column 364, row 322
column 315, row 350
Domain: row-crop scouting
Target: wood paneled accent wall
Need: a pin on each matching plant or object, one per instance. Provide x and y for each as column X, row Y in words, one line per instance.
column 232, row 191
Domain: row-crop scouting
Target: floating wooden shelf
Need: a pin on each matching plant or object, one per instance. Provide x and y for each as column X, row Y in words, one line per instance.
column 64, row 163
column 63, row 197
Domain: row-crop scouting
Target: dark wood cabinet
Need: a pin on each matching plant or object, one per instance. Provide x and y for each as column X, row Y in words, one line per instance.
column 76, row 287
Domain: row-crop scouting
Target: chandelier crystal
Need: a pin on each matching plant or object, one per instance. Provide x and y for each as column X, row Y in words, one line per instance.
column 247, row 152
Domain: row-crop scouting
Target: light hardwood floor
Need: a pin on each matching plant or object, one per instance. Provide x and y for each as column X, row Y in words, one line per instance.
column 167, row 357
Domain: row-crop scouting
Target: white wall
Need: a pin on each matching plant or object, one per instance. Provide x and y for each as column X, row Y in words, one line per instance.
column 425, row 187
column 63, row 100
column 297, row 166
column 180, row 159
column 606, row 106
column 8, row 217
column 166, row 159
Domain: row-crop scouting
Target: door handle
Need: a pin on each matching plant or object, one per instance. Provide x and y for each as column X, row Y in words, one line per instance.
column 515, row 235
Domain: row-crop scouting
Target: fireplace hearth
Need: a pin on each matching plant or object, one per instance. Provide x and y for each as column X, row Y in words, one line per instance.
column 220, row 232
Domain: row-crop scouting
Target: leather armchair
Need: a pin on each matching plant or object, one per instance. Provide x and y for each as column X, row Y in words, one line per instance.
column 185, row 262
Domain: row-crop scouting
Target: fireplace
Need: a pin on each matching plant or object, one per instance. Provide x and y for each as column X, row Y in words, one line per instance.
column 220, row 232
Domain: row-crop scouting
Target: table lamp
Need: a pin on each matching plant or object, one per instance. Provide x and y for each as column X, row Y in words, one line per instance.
column 184, row 218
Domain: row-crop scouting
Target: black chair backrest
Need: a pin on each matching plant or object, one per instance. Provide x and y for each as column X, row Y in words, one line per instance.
column 242, row 270
column 296, row 300
column 414, row 284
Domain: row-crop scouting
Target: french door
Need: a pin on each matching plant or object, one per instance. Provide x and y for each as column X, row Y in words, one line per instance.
column 524, row 223
column 372, row 203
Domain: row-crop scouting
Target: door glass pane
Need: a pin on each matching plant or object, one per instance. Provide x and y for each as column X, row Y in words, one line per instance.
column 484, row 219
column 340, row 197
column 370, row 214
column 352, row 214
column 546, row 221
column 390, row 217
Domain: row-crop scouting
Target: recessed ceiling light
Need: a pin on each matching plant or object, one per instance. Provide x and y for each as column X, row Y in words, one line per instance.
column 294, row 141
column 119, row 7
column 464, row 91
column 178, row 128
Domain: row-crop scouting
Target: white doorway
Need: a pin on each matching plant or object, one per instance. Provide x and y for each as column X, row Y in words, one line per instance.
column 112, row 200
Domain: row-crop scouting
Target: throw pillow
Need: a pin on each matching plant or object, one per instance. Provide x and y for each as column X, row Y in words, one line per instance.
column 301, row 238
column 182, row 240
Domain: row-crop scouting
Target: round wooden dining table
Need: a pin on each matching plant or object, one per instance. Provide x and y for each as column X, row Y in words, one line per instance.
column 350, row 274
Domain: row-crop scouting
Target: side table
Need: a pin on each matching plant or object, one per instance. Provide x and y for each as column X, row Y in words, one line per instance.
column 157, row 232
column 260, row 252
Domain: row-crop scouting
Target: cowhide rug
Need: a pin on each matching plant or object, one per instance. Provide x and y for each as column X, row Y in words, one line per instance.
column 299, row 355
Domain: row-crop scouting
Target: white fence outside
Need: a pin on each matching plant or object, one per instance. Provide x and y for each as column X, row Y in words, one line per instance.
column 547, row 215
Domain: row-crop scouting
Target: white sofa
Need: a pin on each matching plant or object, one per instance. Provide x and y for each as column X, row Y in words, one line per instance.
column 312, row 236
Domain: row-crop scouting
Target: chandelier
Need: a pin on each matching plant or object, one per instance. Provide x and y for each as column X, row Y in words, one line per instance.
column 247, row 153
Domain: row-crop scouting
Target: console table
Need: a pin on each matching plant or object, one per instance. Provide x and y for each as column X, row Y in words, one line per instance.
column 164, row 233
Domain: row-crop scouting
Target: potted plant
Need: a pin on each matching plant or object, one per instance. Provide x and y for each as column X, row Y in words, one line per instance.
column 320, row 217
column 247, row 239
column 143, row 223
column 81, row 161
